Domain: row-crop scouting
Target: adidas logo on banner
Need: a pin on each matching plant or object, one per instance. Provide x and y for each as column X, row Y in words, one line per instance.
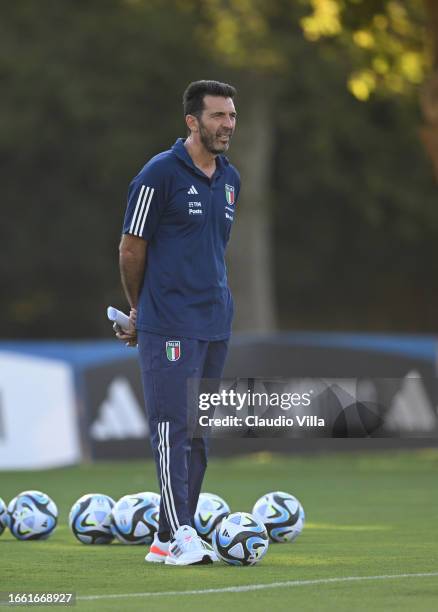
column 411, row 409
column 120, row 415
column 192, row 190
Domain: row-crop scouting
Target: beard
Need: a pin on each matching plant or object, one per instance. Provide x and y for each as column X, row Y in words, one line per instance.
column 211, row 140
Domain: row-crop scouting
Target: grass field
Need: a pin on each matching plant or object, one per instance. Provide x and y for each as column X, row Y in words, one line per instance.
column 369, row 516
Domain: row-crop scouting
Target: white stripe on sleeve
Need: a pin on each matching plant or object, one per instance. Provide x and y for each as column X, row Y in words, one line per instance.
column 140, row 212
column 146, row 211
column 140, row 196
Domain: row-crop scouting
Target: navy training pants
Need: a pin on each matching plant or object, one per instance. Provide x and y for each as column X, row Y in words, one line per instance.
column 167, row 363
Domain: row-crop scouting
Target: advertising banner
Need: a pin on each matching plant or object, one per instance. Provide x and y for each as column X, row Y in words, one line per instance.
column 38, row 413
column 115, row 417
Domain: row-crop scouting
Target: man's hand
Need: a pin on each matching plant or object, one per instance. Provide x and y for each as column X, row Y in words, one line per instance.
column 128, row 337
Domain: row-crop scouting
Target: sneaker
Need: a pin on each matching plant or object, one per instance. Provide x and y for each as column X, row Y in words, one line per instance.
column 187, row 548
column 158, row 551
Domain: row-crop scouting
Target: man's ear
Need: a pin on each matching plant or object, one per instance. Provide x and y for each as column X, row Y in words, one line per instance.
column 192, row 123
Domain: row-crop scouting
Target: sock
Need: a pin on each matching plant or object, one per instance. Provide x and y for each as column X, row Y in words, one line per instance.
column 164, row 536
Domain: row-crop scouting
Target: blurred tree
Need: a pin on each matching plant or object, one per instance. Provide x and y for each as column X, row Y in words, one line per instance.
column 253, row 41
column 89, row 92
column 387, row 50
column 385, row 40
column 393, row 47
column 355, row 215
column 338, row 211
column 429, row 97
column 372, row 202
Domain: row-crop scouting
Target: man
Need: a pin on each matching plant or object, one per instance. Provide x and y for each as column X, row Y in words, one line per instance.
column 177, row 224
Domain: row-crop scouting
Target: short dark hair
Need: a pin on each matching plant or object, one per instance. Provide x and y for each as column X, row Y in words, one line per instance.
column 193, row 98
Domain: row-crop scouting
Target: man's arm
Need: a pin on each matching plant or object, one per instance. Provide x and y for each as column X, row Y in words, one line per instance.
column 132, row 261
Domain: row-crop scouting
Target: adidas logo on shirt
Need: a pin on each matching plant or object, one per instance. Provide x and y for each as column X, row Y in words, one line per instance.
column 192, row 191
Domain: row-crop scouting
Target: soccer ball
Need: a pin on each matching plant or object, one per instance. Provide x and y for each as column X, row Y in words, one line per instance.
column 90, row 519
column 32, row 515
column 240, row 539
column 134, row 518
column 154, row 497
column 211, row 509
column 3, row 516
column 282, row 514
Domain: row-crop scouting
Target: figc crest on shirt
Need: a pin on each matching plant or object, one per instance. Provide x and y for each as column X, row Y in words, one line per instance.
column 173, row 350
column 229, row 194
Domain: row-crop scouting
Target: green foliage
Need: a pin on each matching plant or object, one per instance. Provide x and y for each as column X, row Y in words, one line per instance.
column 252, row 35
column 355, row 208
column 385, row 40
column 91, row 90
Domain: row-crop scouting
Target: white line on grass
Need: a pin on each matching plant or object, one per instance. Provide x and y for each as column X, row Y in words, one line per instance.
column 258, row 587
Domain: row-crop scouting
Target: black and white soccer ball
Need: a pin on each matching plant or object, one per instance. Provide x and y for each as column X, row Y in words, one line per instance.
column 210, row 511
column 4, row 519
column 90, row 518
column 32, row 515
column 240, row 539
column 134, row 518
column 282, row 514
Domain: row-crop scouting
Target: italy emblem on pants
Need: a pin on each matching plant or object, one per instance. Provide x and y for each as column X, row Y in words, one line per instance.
column 173, row 350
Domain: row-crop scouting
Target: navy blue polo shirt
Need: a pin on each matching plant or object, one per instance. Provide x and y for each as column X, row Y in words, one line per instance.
column 186, row 218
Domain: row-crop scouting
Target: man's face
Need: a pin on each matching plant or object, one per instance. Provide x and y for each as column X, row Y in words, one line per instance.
column 217, row 123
